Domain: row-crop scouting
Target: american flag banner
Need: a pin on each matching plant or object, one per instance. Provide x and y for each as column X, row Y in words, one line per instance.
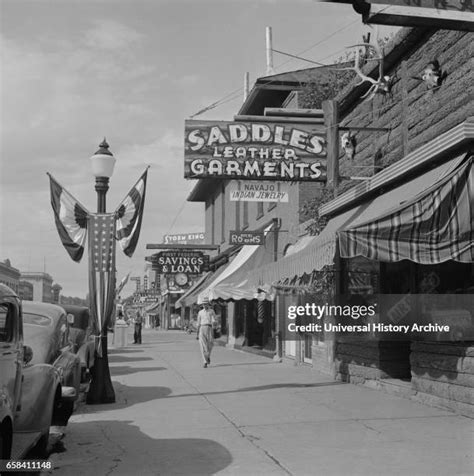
column 129, row 216
column 70, row 218
column 101, row 270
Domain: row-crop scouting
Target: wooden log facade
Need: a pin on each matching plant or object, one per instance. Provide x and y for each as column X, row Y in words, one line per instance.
column 442, row 374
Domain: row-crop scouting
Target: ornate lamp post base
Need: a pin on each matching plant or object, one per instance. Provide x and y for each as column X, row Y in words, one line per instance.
column 101, row 389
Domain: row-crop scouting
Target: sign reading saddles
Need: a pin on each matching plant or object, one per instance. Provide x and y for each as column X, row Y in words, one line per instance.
column 255, row 151
column 173, row 262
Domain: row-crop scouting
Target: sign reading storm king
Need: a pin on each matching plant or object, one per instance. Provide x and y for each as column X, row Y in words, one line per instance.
column 258, row 192
column 173, row 262
column 184, row 239
column 255, row 151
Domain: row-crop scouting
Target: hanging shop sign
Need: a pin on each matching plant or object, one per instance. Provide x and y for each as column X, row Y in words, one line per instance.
column 258, row 192
column 174, row 262
column 184, row 239
column 255, row 151
column 246, row 238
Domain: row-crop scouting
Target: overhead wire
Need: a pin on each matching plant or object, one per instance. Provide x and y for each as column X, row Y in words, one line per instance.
column 235, row 94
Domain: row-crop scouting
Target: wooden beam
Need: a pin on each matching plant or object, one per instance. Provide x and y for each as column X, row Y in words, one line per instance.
column 398, row 15
column 331, row 116
column 369, row 129
column 278, row 111
column 296, row 120
column 162, row 246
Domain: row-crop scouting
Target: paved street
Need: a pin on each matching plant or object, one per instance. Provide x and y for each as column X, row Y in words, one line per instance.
column 249, row 415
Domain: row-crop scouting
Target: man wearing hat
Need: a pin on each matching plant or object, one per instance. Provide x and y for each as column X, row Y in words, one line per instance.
column 206, row 321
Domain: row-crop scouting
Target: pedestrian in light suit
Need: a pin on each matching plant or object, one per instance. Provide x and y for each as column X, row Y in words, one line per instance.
column 206, row 321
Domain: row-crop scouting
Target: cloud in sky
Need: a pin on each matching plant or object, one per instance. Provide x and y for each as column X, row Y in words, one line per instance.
column 110, row 35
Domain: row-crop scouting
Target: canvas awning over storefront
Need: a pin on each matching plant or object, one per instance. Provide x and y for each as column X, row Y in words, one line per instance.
column 320, row 250
column 232, row 283
column 312, row 254
column 429, row 227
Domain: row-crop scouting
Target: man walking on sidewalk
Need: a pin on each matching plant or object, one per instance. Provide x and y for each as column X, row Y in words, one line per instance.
column 206, row 321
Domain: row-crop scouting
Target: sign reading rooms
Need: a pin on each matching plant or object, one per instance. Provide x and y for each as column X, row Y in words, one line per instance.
column 250, row 151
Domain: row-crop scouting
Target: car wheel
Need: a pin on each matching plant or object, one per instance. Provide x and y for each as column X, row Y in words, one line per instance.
column 40, row 450
column 5, row 441
column 66, row 410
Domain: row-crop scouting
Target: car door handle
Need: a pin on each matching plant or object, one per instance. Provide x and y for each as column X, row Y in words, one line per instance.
column 7, row 352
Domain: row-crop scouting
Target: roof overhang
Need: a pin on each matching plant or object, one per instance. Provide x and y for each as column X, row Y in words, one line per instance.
column 452, row 15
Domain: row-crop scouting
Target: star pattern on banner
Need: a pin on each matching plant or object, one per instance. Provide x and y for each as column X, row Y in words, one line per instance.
column 102, row 243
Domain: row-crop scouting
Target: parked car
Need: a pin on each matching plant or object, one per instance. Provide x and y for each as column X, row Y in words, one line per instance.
column 80, row 337
column 46, row 331
column 29, row 392
column 11, row 365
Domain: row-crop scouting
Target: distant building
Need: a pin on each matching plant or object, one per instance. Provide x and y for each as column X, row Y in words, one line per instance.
column 25, row 291
column 42, row 285
column 10, row 275
column 56, row 290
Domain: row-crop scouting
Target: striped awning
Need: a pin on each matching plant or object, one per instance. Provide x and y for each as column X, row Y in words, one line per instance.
column 233, row 283
column 431, row 227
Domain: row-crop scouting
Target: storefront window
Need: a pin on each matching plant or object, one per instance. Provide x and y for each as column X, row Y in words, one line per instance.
column 361, row 276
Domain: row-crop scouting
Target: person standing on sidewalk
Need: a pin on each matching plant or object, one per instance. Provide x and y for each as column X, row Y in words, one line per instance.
column 137, row 331
column 206, row 321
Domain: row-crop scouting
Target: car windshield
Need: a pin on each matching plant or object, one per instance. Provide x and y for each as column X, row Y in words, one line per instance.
column 36, row 319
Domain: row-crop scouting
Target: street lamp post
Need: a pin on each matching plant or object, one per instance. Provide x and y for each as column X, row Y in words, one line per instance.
column 101, row 389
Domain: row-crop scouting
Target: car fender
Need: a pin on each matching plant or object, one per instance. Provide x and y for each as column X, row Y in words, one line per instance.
column 86, row 353
column 40, row 386
column 6, row 405
column 70, row 365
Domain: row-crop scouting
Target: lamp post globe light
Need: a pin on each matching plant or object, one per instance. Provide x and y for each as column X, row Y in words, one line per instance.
column 101, row 389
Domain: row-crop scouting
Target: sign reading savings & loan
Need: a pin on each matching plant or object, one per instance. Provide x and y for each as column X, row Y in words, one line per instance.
column 255, row 151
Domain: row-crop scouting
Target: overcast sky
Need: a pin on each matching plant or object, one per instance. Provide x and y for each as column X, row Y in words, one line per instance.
column 132, row 71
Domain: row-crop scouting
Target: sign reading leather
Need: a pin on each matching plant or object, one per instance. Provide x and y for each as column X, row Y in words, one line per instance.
column 255, row 151
column 173, row 262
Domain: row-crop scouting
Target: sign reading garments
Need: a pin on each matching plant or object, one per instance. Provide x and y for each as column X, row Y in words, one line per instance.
column 249, row 151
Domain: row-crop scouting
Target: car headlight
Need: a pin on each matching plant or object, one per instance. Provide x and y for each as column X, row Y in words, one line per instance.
column 61, row 374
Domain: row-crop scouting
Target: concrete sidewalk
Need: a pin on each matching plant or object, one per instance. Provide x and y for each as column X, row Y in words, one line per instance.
column 247, row 415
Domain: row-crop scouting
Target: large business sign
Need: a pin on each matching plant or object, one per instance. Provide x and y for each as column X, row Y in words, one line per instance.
column 258, row 192
column 174, row 262
column 184, row 239
column 246, row 237
column 255, row 151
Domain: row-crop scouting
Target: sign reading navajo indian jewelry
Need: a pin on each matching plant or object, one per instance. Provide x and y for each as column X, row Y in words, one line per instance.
column 173, row 262
column 246, row 238
column 184, row 239
column 255, row 151
column 258, row 192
